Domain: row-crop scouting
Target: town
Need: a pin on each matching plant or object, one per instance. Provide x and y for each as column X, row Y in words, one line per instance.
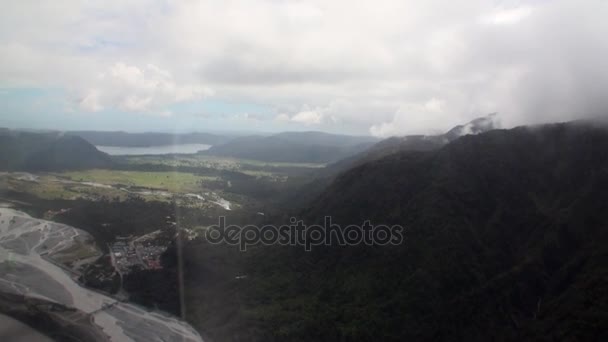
column 130, row 253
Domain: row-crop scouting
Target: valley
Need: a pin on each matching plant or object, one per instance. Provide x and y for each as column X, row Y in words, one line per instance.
column 479, row 217
column 107, row 260
column 304, row 171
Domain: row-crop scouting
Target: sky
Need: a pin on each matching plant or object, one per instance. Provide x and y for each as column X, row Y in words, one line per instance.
column 379, row 68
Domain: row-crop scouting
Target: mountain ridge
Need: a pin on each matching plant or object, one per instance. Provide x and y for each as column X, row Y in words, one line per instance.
column 294, row 147
column 147, row 139
column 27, row 151
column 504, row 241
column 397, row 144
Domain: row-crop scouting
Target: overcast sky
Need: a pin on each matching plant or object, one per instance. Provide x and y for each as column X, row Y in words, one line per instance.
column 359, row 67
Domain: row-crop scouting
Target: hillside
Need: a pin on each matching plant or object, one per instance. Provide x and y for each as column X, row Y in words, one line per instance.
column 505, row 240
column 26, row 151
column 293, row 147
column 394, row 145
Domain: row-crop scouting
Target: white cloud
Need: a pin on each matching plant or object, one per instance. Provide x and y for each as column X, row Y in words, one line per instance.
column 434, row 106
column 413, row 118
column 91, row 102
column 308, row 117
column 508, row 16
column 130, row 88
column 356, row 66
column 250, row 117
column 282, row 117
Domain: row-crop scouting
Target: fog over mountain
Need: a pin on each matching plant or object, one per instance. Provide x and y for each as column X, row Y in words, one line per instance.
column 383, row 68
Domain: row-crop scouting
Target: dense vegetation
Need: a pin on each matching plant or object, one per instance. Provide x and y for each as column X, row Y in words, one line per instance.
column 506, row 240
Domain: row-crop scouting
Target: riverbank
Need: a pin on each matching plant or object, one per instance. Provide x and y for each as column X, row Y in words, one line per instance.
column 31, row 275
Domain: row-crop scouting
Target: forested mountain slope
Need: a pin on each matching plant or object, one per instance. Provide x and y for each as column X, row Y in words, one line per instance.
column 506, row 239
column 27, row 151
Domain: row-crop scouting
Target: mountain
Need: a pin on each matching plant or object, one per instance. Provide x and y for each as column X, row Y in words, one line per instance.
column 476, row 126
column 102, row 138
column 28, row 151
column 505, row 240
column 293, row 147
column 416, row 143
column 422, row 143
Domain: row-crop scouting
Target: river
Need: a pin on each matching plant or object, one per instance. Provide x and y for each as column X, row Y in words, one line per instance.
column 22, row 241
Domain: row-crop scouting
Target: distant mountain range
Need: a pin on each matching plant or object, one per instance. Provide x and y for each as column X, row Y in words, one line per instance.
column 125, row 139
column 294, row 147
column 28, row 151
column 340, row 151
column 45, row 150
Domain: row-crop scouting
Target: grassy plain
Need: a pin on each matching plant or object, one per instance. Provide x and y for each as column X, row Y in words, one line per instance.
column 183, row 178
column 219, row 163
column 49, row 187
column 176, row 182
column 97, row 183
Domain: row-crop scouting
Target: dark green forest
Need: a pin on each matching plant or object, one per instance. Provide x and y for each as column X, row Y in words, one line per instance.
column 506, row 240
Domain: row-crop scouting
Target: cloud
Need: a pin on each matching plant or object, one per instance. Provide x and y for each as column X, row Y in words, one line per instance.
column 134, row 89
column 308, row 117
column 251, row 117
column 413, row 118
column 388, row 67
column 91, row 101
column 282, row 117
column 508, row 16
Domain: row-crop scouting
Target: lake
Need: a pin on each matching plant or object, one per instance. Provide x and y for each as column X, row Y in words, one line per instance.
column 166, row 149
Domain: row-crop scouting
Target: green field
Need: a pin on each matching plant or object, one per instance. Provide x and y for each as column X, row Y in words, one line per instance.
column 97, row 183
column 176, row 182
column 219, row 163
column 176, row 179
column 51, row 187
